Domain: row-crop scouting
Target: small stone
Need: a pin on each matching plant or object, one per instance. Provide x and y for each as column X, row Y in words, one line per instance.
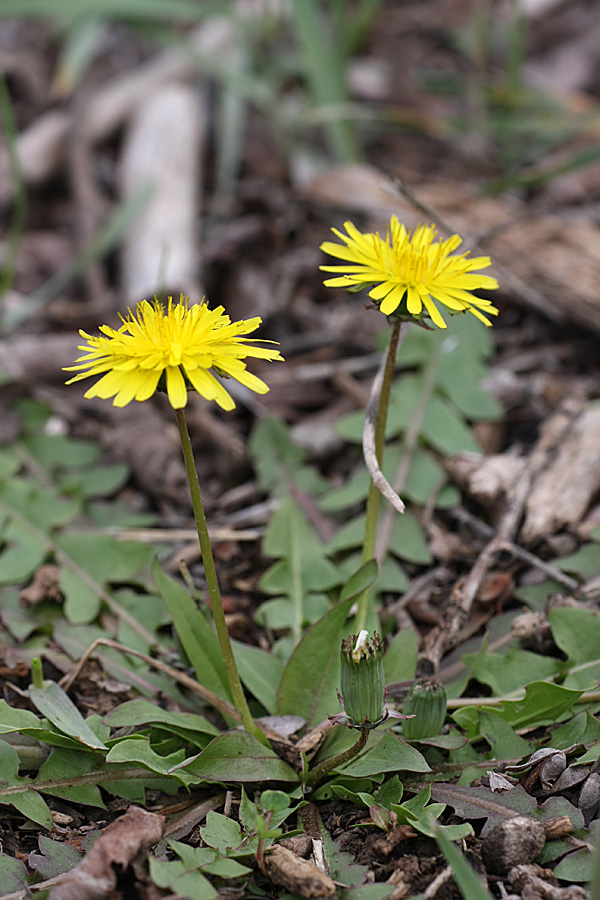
column 514, row 842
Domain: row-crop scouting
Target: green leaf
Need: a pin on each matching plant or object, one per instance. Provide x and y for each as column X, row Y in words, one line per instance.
column 13, row 875
column 390, row 754
column 577, row 866
column 29, row 513
column 260, row 672
column 408, row 540
column 425, row 476
column 481, row 802
column 55, row 451
column 400, row 660
column 391, row 791
column 137, row 751
column 584, row 564
column 237, row 756
column 142, row 712
column 9, row 465
column 445, row 431
column 577, row 633
column 26, row 801
column 56, row 858
column 197, row 637
column 361, row 581
column 175, row 876
column 355, row 491
column 278, row 461
column 63, row 766
column 304, row 568
column 279, row 614
column 583, row 728
column 221, row 832
column 100, row 481
column 52, row 702
column 27, row 723
column 504, row 741
column 459, row 376
column 227, row 868
column 508, row 672
column 311, row 676
column 543, row 704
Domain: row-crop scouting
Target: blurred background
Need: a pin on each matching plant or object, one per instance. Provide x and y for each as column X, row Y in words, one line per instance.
column 152, row 148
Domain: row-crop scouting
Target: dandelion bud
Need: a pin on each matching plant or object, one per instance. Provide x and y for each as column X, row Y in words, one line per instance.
column 426, row 702
column 362, row 680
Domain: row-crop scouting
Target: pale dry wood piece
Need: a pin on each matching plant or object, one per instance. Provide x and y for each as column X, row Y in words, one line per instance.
column 296, row 874
column 33, row 359
column 563, row 492
column 486, row 479
column 125, row 842
column 530, row 882
column 163, row 148
column 41, row 146
column 445, row 636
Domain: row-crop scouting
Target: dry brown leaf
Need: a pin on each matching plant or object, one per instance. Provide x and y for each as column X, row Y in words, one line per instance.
column 125, row 841
column 297, row 875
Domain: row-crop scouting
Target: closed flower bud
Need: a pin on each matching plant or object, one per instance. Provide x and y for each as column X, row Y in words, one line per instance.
column 362, row 680
column 426, row 701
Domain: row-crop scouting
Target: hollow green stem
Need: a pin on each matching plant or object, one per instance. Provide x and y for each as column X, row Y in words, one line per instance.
column 373, row 498
column 324, row 768
column 237, row 691
column 37, row 678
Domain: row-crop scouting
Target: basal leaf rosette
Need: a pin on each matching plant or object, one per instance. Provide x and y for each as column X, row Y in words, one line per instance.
column 410, row 271
column 173, row 347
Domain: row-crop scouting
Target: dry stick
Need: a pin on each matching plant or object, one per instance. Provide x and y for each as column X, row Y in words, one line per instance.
column 516, row 550
column 410, row 443
column 438, row 882
column 443, row 637
column 223, row 706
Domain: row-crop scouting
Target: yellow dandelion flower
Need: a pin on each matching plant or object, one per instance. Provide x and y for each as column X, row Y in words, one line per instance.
column 173, row 347
column 410, row 271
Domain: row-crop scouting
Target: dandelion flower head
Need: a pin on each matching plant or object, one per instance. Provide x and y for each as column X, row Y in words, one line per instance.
column 172, row 346
column 411, row 271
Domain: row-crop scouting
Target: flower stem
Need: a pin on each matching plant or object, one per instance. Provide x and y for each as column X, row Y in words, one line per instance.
column 212, row 582
column 324, row 768
column 373, row 499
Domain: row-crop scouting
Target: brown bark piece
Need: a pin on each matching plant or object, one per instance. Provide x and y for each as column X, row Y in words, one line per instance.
column 121, row 844
column 297, row 875
column 563, row 492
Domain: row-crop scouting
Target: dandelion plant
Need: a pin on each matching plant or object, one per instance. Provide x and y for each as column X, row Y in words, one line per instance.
column 175, row 348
